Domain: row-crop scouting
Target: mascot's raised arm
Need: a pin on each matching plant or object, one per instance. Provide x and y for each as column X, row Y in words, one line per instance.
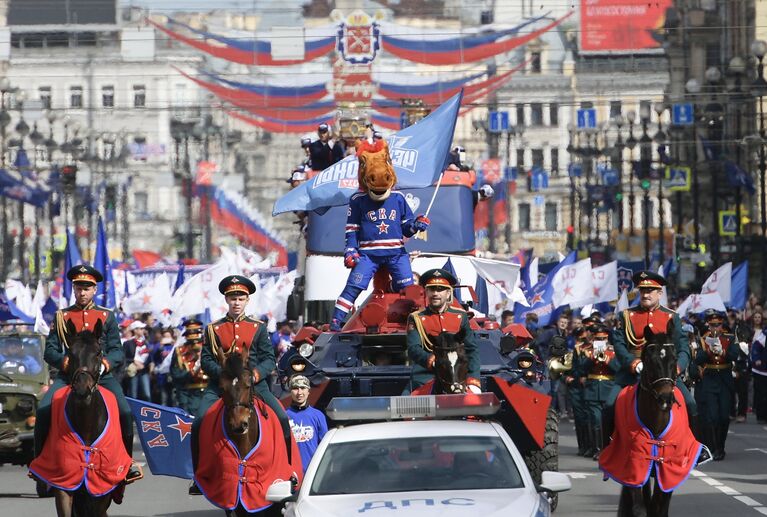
column 377, row 222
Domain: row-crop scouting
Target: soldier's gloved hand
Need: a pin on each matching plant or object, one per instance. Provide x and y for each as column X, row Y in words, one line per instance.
column 421, row 223
column 104, row 366
column 638, row 368
column 65, row 364
column 351, row 257
column 470, row 388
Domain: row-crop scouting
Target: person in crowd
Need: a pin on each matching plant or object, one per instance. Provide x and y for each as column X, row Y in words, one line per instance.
column 759, row 371
column 186, row 371
column 282, row 338
column 162, row 381
column 14, row 359
column 140, row 387
column 125, row 332
column 531, row 323
column 507, row 318
column 307, row 423
column 325, row 151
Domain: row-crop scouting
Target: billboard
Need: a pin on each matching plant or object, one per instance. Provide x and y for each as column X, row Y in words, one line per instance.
column 59, row 12
column 622, row 26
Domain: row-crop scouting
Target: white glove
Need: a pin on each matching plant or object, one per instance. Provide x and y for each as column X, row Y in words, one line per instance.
column 600, row 347
column 486, row 191
column 639, row 367
column 743, row 347
column 470, row 388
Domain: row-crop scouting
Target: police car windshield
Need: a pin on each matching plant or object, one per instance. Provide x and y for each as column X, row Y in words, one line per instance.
column 416, row 465
column 20, row 355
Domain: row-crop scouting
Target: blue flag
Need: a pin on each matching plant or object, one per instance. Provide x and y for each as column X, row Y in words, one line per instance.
column 419, row 155
column 739, row 286
column 166, row 435
column 179, row 276
column 71, row 259
column 450, row 269
column 480, row 289
column 737, row 177
column 105, row 291
column 540, row 296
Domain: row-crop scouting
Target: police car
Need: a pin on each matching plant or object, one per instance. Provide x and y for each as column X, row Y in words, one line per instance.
column 417, row 464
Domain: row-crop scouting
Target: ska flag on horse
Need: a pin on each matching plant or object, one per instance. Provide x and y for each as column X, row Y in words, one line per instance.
column 165, row 435
column 419, row 155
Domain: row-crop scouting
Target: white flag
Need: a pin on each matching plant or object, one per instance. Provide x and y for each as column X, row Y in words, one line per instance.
column 697, row 303
column 21, row 296
column 573, row 285
column 623, row 302
column 154, row 297
column 532, row 272
column 605, row 279
column 503, row 275
column 720, row 282
column 663, row 293
column 201, row 292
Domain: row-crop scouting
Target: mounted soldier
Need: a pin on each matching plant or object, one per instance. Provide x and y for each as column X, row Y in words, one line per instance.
column 234, row 333
column 83, row 316
column 628, row 340
column 439, row 316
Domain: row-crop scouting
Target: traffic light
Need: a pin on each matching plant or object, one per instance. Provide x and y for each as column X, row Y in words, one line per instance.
column 645, row 184
column 69, row 176
column 618, row 197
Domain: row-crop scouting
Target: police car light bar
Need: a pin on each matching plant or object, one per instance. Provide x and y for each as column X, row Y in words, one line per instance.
column 407, row 407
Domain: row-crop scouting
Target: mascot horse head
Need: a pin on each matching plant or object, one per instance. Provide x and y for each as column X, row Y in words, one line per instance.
column 376, row 173
column 451, row 366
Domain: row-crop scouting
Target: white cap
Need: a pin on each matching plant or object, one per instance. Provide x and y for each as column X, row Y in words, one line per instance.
column 137, row 325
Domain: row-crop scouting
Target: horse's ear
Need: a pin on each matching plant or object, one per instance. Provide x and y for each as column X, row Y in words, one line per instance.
column 71, row 329
column 98, row 328
column 244, row 352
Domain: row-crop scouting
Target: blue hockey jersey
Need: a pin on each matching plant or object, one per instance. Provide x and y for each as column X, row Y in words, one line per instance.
column 377, row 228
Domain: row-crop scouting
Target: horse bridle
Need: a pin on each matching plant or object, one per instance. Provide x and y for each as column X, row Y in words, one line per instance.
column 252, row 394
column 84, row 370
column 651, row 388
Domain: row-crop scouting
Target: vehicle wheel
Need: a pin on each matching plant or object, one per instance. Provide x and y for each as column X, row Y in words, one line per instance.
column 548, row 457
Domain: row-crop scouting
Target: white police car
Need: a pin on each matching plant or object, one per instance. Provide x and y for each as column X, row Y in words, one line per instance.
column 421, row 467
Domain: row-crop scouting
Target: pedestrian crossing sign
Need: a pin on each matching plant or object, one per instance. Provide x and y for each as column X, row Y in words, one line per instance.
column 678, row 178
column 728, row 223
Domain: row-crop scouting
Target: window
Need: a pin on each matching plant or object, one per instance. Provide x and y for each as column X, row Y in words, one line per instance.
column 550, row 217
column 141, row 202
column 44, row 92
column 536, row 114
column 139, row 96
column 108, row 96
column 537, row 158
column 535, row 62
column 616, row 108
column 553, row 114
column 523, row 210
column 520, row 114
column 520, row 161
column 555, row 161
column 76, row 97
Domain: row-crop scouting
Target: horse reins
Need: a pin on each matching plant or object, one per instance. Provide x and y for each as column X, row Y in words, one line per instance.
column 252, row 394
column 84, row 370
column 651, row 387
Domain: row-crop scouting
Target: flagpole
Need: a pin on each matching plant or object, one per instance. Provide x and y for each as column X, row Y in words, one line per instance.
column 434, row 195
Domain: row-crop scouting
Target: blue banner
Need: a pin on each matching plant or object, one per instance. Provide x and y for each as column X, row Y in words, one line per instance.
column 18, row 189
column 480, row 289
column 419, row 154
column 166, row 437
column 739, row 286
column 105, row 291
column 71, row 258
column 540, row 296
column 450, row 230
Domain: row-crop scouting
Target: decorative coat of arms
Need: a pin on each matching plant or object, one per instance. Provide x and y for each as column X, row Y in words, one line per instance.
column 358, row 39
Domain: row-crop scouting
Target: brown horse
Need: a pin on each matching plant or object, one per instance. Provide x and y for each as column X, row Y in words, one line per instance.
column 241, row 414
column 87, row 413
column 451, row 365
column 655, row 398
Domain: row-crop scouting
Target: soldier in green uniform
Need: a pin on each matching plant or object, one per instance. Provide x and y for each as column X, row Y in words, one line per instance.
column 231, row 334
column 628, row 340
column 84, row 315
column 598, row 368
column 575, row 387
column 439, row 316
column 185, row 369
column 714, row 359
column 571, row 380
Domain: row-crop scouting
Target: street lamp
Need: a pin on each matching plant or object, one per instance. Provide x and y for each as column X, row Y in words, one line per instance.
column 631, row 143
column 759, row 91
column 181, row 132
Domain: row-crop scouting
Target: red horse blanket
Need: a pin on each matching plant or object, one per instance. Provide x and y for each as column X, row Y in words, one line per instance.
column 66, row 462
column 226, row 479
column 633, row 451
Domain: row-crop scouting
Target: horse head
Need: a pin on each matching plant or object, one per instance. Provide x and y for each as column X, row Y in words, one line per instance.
column 451, row 366
column 85, row 355
column 237, row 388
column 659, row 366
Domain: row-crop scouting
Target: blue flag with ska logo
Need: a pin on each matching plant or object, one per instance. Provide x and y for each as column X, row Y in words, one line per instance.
column 418, row 153
column 166, row 436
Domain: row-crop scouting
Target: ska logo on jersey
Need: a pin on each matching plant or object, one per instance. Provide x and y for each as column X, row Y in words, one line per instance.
column 383, row 228
column 381, row 214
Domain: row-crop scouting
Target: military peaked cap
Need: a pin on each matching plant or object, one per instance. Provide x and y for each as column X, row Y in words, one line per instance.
column 85, row 274
column 648, row 280
column 236, row 284
column 438, row 277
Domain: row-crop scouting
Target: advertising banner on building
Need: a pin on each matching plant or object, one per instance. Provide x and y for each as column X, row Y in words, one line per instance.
column 622, row 26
